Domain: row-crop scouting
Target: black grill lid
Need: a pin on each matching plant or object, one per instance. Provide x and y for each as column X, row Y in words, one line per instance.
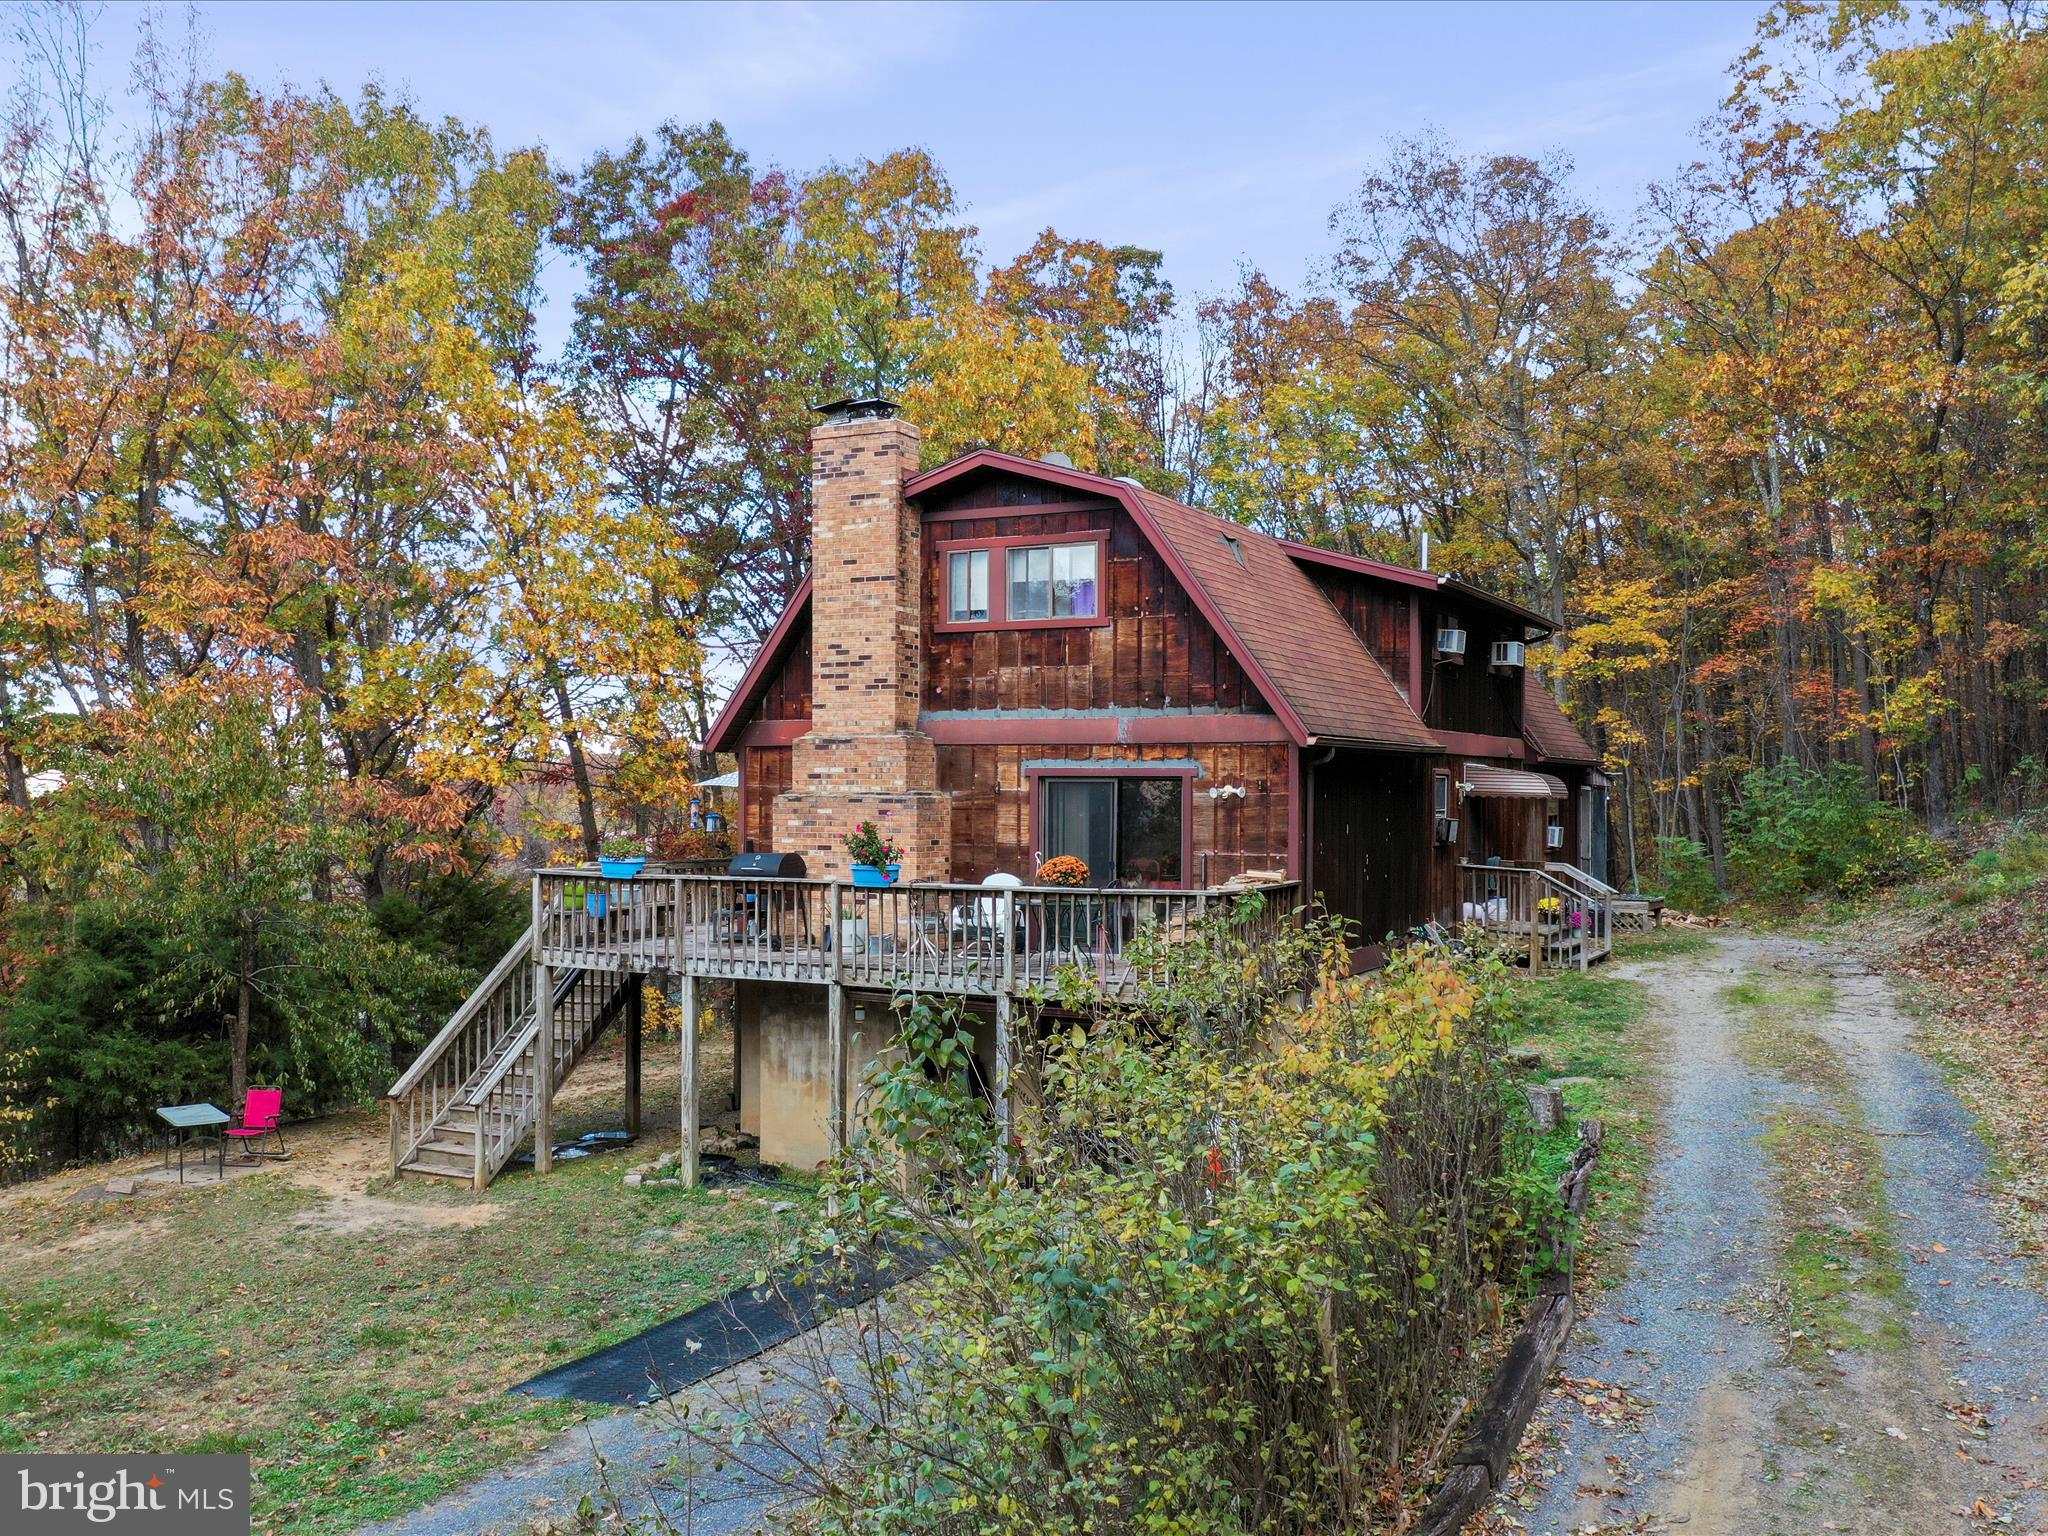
column 782, row 866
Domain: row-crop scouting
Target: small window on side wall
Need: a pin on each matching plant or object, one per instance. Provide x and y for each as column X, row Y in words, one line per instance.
column 1443, row 794
column 967, row 586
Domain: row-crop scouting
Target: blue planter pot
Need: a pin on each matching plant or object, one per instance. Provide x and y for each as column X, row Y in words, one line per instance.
column 870, row 875
column 621, row 869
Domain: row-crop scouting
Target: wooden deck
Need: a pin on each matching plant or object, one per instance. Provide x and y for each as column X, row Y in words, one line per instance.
column 968, row 940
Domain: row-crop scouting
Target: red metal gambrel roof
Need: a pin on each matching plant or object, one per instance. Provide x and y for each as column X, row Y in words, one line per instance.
column 1548, row 729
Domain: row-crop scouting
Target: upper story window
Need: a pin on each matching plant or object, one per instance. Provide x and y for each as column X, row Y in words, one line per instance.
column 1019, row 582
column 967, row 584
column 1052, row 581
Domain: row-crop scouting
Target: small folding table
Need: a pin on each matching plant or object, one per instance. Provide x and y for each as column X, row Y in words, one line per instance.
column 183, row 1120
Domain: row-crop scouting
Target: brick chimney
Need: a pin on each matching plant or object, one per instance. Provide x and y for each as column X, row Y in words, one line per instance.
column 864, row 759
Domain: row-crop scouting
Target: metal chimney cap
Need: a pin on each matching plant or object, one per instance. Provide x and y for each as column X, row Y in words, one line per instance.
column 1058, row 460
column 855, row 408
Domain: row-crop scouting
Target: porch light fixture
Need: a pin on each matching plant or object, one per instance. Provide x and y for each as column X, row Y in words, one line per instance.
column 1220, row 791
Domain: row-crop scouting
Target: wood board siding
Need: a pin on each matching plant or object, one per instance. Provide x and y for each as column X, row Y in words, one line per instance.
column 1470, row 695
column 1371, row 854
column 1156, row 651
column 787, row 692
column 765, row 772
column 1378, row 614
column 992, row 808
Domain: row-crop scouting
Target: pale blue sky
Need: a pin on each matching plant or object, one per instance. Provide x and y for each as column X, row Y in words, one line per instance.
column 1217, row 133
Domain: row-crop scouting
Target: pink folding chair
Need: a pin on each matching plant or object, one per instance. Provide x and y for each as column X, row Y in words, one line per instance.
column 260, row 1114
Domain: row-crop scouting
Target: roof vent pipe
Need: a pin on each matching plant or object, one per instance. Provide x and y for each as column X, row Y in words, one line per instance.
column 1425, row 550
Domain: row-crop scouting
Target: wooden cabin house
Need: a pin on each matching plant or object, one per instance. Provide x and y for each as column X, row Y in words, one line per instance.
column 1003, row 660
column 1078, row 665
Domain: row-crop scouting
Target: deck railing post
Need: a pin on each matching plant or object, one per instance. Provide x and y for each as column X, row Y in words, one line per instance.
column 1006, row 913
column 687, row 998
column 1002, row 1085
column 543, row 1087
column 835, row 1018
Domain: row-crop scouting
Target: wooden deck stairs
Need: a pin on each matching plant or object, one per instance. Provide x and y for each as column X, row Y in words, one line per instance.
column 1557, row 917
column 461, row 1110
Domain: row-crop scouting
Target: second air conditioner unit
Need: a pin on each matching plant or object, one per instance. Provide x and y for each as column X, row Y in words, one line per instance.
column 1508, row 653
column 1447, row 830
column 1450, row 643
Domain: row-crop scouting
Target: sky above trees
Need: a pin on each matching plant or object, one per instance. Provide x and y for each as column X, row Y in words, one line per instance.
column 1217, row 134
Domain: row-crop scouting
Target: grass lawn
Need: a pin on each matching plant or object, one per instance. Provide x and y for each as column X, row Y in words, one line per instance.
column 1597, row 1027
column 355, row 1338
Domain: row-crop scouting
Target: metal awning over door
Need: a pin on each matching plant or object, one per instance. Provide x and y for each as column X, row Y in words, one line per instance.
column 1510, row 783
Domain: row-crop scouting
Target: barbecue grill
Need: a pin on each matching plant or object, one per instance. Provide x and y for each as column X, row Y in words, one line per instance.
column 767, row 866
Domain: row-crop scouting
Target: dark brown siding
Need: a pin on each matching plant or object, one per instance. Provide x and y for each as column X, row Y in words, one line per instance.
column 1370, row 849
column 1470, row 695
column 764, row 774
column 787, row 693
column 1157, row 651
column 1377, row 613
column 992, row 812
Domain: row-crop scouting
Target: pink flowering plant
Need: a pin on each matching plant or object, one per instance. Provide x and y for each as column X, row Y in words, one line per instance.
column 866, row 844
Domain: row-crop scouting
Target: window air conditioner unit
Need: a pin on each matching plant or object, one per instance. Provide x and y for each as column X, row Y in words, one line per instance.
column 1508, row 653
column 1451, row 643
column 1553, row 837
column 1447, row 829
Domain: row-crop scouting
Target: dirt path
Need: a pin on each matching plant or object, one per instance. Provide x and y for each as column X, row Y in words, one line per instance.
column 1824, row 1329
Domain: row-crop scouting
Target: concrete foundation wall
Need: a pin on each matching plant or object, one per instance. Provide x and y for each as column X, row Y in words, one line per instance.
column 786, row 1065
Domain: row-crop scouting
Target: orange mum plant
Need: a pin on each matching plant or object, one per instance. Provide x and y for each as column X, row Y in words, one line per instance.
column 1063, row 869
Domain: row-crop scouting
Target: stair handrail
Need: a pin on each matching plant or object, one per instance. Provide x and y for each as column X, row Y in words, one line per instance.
column 1587, row 906
column 1592, row 885
column 521, row 953
column 515, row 1051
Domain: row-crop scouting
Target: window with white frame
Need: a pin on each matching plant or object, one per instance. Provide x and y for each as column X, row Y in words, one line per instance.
column 967, row 586
column 1052, row 581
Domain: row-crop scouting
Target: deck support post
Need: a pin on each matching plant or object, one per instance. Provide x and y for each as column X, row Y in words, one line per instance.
column 1002, row 1085
column 692, row 1129
column 835, row 1056
column 636, row 1003
column 835, row 1022
column 543, row 1068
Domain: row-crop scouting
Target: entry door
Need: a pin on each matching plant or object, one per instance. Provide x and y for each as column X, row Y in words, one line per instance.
column 1080, row 820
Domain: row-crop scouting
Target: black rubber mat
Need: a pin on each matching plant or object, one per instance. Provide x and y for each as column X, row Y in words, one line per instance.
column 699, row 1344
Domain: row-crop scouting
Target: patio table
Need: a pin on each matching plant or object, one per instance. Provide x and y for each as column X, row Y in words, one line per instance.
column 183, row 1119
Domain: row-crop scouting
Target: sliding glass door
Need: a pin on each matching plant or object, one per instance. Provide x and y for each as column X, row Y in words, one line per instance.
column 1129, row 830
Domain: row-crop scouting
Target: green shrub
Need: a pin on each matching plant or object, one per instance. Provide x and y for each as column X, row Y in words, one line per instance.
column 1228, row 1276
column 2007, row 867
column 1797, row 831
column 116, row 1013
column 1685, row 875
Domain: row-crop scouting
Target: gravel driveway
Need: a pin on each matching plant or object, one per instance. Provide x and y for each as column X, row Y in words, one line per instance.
column 1685, row 1405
